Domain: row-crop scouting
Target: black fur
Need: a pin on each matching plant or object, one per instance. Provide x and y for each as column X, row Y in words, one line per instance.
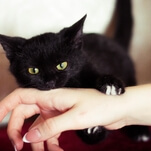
column 124, row 23
column 94, row 61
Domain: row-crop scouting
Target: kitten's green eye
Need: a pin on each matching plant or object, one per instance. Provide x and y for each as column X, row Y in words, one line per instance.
column 33, row 70
column 62, row 66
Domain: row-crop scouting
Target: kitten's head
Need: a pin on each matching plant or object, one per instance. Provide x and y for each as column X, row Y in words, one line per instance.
column 46, row 61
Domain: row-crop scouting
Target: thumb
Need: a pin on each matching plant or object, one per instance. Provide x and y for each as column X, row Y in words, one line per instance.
column 50, row 128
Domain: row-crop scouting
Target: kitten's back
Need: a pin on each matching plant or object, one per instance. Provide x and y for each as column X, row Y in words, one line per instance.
column 108, row 57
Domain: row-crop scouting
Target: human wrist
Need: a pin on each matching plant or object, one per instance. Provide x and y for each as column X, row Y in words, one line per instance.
column 138, row 104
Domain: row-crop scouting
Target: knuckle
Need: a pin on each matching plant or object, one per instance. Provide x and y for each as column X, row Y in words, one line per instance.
column 18, row 111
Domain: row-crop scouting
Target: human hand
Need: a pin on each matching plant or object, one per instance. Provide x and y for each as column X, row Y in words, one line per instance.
column 72, row 109
column 75, row 108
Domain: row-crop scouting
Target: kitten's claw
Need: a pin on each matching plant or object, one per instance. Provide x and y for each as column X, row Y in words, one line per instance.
column 110, row 85
column 112, row 90
column 93, row 130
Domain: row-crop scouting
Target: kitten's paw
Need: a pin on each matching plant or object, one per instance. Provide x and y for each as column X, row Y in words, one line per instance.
column 137, row 133
column 110, row 85
column 112, row 90
column 93, row 135
column 93, row 130
column 143, row 138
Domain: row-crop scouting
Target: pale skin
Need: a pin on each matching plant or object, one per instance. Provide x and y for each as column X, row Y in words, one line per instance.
column 76, row 109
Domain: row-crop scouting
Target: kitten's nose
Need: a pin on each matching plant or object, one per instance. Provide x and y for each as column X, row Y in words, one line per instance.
column 50, row 84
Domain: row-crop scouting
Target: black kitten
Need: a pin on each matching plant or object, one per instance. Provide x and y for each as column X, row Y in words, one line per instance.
column 70, row 59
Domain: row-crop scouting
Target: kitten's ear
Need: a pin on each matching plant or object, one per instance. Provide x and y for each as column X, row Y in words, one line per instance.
column 74, row 32
column 11, row 45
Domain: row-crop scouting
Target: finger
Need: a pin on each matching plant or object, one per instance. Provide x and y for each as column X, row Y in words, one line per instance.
column 47, row 100
column 17, row 97
column 38, row 120
column 43, row 116
column 54, row 147
column 17, row 140
column 16, row 122
column 37, row 146
column 53, row 144
column 53, row 126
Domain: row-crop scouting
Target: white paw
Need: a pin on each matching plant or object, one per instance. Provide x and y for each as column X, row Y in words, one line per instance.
column 92, row 130
column 111, row 90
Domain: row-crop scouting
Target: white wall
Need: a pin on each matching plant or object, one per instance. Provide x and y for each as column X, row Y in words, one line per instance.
column 31, row 17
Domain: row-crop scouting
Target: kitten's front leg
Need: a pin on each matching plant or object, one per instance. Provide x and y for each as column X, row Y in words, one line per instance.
column 110, row 86
column 93, row 135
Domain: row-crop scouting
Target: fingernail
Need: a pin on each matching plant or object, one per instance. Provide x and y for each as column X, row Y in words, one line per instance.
column 25, row 139
column 32, row 136
column 15, row 148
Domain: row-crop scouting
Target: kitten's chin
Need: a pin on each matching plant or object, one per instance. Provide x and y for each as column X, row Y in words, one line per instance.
column 39, row 87
column 44, row 89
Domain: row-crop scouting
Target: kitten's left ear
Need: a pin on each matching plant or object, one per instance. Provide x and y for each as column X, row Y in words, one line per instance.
column 75, row 31
column 11, row 45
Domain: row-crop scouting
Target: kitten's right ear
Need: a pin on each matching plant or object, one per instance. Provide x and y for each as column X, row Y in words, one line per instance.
column 11, row 45
column 74, row 33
